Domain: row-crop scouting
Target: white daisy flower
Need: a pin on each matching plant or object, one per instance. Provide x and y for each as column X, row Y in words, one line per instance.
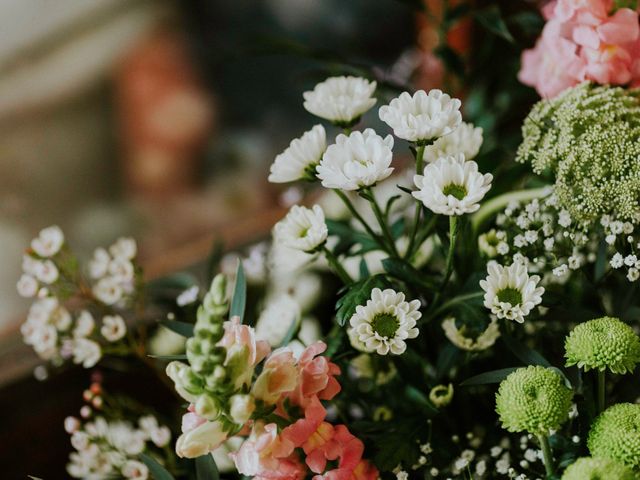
column 355, row 161
column 48, row 242
column 303, row 228
column 452, row 186
column 465, row 139
column 510, row 292
column 300, row 159
column 341, row 100
column 423, row 116
column 113, row 328
column 458, row 336
column 278, row 317
column 385, row 322
column 27, row 286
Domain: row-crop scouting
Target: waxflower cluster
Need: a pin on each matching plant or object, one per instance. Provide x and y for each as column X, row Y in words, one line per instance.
column 109, row 447
column 587, row 138
column 596, row 40
column 278, row 412
column 52, row 275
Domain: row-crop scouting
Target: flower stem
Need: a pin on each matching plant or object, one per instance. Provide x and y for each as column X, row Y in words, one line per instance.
column 335, row 264
column 381, row 221
column 416, row 215
column 601, row 390
column 362, row 221
column 453, row 236
column 547, row 456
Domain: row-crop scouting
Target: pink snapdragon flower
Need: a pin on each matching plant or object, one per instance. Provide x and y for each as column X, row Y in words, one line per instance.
column 316, row 377
column 237, row 335
column 265, row 455
column 583, row 40
column 279, row 376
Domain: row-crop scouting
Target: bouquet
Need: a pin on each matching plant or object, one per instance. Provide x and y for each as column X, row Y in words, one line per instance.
column 404, row 321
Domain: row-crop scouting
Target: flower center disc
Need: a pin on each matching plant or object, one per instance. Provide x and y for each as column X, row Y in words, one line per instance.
column 510, row 295
column 385, row 325
column 457, row 191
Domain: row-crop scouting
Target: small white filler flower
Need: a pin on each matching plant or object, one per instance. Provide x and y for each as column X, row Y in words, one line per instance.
column 385, row 322
column 341, row 100
column 300, row 159
column 452, row 186
column 113, row 328
column 359, row 160
column 48, row 242
column 510, row 292
column 422, row 117
column 303, row 228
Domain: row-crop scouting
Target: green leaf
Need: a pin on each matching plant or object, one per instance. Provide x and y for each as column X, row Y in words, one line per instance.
column 526, row 355
column 181, row 356
column 206, row 468
column 446, row 360
column 356, row 294
column 491, row 19
column 494, row 376
column 158, row 472
column 601, row 261
column 348, row 236
column 405, row 272
column 364, row 269
column 239, row 300
column 397, row 229
column 291, row 332
column 181, row 328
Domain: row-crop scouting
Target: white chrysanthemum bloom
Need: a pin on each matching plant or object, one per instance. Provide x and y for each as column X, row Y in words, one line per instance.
column 452, row 186
column 510, row 292
column 48, row 242
column 465, row 139
column 341, row 100
column 300, row 159
column 359, row 160
column 113, row 328
column 385, row 322
column 278, row 317
column 27, row 286
column 86, row 352
column 303, row 228
column 458, row 336
column 422, row 117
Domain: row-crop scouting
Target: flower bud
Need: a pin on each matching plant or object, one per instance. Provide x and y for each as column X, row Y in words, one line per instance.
column 206, row 407
column 441, row 395
column 201, row 440
column 241, row 408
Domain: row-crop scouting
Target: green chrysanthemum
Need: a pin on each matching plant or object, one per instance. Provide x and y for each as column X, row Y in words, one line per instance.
column 615, row 434
column 603, row 343
column 533, row 399
column 589, row 468
column 588, row 138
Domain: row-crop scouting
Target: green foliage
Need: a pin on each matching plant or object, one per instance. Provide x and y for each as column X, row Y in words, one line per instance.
column 356, row 294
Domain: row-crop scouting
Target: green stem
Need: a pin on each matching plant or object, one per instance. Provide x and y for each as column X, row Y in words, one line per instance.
column 601, row 390
column 335, row 264
column 547, row 456
column 453, row 236
column 362, row 221
column 381, row 221
column 416, row 215
column 422, row 236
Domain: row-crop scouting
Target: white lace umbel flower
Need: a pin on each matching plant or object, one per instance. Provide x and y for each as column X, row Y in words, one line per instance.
column 113, row 328
column 125, row 248
column 385, row 322
column 300, row 159
column 303, row 228
column 452, row 186
column 48, row 242
column 86, row 352
column 423, row 116
column 355, row 161
column 510, row 292
column 341, row 100
column 108, row 290
column 465, row 139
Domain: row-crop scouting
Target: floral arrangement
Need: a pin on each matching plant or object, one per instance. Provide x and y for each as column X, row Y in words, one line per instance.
column 405, row 321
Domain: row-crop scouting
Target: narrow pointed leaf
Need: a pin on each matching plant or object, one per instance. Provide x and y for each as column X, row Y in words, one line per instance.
column 181, row 328
column 494, row 376
column 206, row 468
column 158, row 472
column 239, row 300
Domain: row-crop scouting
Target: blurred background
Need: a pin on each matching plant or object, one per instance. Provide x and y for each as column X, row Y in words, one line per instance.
column 159, row 119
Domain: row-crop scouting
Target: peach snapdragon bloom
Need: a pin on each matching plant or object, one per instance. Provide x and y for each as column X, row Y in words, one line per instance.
column 279, row 376
column 244, row 351
column 316, row 377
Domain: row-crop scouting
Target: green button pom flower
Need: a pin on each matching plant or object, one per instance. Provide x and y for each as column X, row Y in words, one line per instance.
column 615, row 434
column 533, row 399
column 603, row 343
column 588, row 468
